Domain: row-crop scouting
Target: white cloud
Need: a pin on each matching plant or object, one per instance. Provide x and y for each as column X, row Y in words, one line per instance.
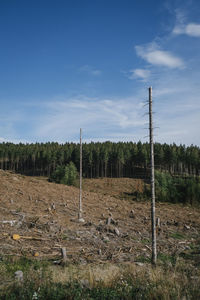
column 179, row 125
column 179, row 29
column 157, row 57
column 115, row 119
column 180, row 16
column 98, row 117
column 177, row 107
column 90, row 70
column 158, row 92
column 191, row 29
column 139, row 73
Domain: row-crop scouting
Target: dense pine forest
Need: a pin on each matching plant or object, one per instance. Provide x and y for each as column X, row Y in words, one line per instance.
column 108, row 159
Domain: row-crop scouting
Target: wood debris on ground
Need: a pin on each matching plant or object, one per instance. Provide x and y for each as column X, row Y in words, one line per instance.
column 39, row 219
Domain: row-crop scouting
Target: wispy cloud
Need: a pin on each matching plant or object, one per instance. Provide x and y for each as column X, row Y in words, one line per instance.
column 90, row 70
column 153, row 55
column 183, row 27
column 97, row 116
column 142, row 74
column 175, row 99
column 116, row 119
column 180, row 124
column 191, row 29
column 166, row 91
column 177, row 107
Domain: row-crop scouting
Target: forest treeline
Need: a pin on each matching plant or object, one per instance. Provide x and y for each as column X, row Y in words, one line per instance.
column 107, row 159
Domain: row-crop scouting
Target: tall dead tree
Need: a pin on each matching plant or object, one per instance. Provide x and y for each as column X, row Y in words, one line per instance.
column 80, row 217
column 153, row 218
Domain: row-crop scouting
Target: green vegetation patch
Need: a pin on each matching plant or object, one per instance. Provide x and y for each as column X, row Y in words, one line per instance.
column 192, row 254
column 13, row 264
column 132, row 282
column 65, row 174
column 177, row 189
column 166, row 259
column 178, row 236
column 143, row 259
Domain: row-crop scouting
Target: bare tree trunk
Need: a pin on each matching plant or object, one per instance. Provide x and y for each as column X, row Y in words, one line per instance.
column 80, row 218
column 153, row 223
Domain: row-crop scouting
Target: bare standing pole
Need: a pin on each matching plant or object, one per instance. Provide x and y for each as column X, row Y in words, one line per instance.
column 80, row 218
column 153, row 219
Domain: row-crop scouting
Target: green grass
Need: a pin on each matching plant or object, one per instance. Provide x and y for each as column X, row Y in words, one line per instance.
column 65, row 237
column 169, row 281
column 124, row 288
column 166, row 259
column 24, row 264
column 178, row 236
column 145, row 241
column 192, row 254
column 143, row 259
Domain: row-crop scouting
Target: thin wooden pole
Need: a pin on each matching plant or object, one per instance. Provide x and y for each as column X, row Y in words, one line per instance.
column 153, row 218
column 80, row 217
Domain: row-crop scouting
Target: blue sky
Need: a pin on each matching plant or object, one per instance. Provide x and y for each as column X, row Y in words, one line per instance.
column 89, row 63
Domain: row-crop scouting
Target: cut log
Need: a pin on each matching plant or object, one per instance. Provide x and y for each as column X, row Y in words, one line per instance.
column 64, row 254
column 11, row 222
column 132, row 214
column 18, row 237
column 116, row 231
column 19, row 276
column 158, row 222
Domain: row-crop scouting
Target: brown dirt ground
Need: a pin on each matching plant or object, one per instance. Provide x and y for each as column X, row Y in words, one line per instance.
column 26, row 209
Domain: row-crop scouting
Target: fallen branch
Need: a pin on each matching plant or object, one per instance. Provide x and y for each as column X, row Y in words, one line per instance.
column 11, row 222
column 18, row 237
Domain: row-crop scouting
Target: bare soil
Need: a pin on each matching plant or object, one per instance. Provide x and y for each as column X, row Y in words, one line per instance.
column 45, row 216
